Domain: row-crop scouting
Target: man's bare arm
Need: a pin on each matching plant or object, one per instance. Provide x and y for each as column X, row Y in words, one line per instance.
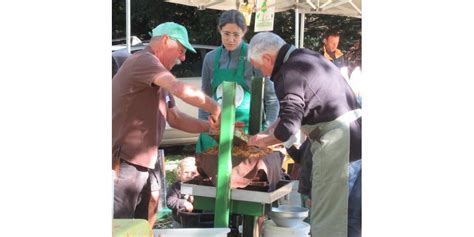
column 188, row 93
column 184, row 122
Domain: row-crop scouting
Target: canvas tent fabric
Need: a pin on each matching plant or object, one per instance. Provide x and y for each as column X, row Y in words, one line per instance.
column 350, row 8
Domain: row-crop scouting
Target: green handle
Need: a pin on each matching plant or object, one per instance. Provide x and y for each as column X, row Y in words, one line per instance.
column 256, row 105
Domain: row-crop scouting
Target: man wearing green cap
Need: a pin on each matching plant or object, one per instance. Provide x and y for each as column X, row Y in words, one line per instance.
column 142, row 103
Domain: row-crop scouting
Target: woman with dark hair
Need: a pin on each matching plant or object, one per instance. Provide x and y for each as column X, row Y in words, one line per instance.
column 229, row 63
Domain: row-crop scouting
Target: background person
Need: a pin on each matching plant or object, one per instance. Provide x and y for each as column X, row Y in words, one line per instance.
column 303, row 158
column 229, row 63
column 140, row 112
column 315, row 97
column 330, row 50
column 185, row 171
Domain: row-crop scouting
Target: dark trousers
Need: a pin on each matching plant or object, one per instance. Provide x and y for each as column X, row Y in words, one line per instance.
column 355, row 209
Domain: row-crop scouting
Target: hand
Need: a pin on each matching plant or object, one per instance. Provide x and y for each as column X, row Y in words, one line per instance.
column 188, row 206
column 290, row 141
column 257, row 140
column 214, row 123
column 278, row 147
column 215, row 116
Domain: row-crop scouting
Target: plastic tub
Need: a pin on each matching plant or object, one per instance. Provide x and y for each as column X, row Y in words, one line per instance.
column 196, row 219
column 192, row 232
column 131, row 228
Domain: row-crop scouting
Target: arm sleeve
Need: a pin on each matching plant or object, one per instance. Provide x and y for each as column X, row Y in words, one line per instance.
column 206, row 82
column 171, row 103
column 146, row 68
column 271, row 104
column 172, row 198
column 294, row 153
column 291, row 105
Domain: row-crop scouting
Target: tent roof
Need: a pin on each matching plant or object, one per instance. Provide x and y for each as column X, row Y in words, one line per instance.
column 330, row 7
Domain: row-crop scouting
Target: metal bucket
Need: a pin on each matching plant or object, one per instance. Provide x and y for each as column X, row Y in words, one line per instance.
column 270, row 229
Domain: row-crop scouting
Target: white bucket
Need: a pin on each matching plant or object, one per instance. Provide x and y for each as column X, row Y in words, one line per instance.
column 270, row 229
column 191, row 232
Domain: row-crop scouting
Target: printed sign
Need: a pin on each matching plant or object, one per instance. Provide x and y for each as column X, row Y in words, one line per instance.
column 264, row 15
column 246, row 9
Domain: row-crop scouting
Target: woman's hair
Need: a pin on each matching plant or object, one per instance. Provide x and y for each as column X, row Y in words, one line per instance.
column 232, row 17
column 185, row 163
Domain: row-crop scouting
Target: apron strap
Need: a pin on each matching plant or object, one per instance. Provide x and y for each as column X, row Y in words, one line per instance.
column 241, row 68
column 239, row 71
column 215, row 84
column 217, row 58
column 316, row 130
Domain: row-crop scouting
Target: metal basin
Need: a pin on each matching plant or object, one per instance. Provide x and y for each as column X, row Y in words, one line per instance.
column 288, row 216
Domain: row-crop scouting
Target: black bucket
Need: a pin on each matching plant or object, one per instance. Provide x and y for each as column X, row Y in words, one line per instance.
column 196, row 219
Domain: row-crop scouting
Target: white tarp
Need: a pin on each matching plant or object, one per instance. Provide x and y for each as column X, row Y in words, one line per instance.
column 352, row 8
column 330, row 7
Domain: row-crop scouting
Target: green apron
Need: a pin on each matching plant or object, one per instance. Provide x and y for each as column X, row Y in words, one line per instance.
column 242, row 111
column 330, row 145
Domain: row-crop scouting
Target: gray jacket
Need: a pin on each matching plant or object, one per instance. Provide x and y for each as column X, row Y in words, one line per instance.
column 230, row 59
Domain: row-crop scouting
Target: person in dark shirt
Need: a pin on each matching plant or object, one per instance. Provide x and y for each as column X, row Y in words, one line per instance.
column 314, row 97
column 330, row 50
column 302, row 156
column 185, row 171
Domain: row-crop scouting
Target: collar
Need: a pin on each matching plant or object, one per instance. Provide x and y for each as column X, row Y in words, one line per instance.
column 148, row 49
column 283, row 55
column 338, row 53
column 236, row 51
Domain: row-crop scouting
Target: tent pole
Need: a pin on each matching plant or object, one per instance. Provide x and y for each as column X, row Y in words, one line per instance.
column 302, row 31
column 297, row 26
column 127, row 24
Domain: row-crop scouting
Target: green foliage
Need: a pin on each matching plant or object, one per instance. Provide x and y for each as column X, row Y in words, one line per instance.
column 202, row 25
column 170, row 178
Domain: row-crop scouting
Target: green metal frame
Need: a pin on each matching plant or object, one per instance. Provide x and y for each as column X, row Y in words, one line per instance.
column 255, row 126
column 256, row 105
column 224, row 163
column 222, row 205
column 238, row 207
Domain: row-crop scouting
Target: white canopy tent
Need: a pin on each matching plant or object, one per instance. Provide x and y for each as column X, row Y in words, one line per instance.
column 350, row 8
column 331, row 7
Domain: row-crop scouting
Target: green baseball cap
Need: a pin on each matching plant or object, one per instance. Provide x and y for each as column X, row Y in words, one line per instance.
column 174, row 31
